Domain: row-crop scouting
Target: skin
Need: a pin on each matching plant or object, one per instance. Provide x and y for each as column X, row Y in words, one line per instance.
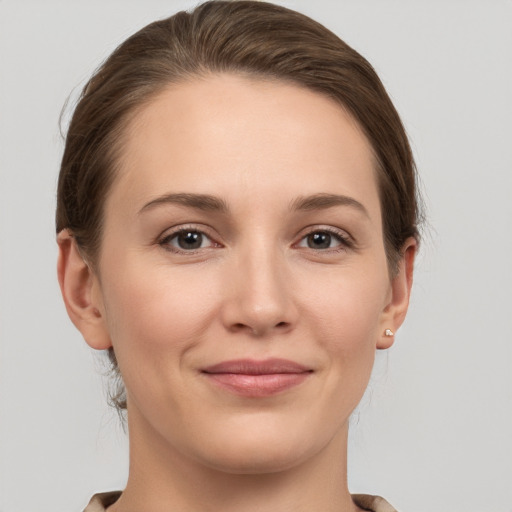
column 257, row 287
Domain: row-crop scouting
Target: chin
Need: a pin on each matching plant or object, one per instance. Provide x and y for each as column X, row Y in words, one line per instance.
column 261, row 450
column 254, row 462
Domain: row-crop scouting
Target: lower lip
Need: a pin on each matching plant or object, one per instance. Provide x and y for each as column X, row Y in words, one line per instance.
column 257, row 385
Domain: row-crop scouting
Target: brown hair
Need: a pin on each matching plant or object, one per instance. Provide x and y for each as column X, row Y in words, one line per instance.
column 244, row 37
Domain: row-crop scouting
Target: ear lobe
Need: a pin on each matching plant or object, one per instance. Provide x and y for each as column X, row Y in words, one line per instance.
column 81, row 293
column 394, row 314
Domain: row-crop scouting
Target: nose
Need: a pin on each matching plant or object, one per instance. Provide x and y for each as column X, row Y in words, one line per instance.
column 259, row 299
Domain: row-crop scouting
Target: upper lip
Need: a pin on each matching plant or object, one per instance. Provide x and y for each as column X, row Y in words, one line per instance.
column 255, row 367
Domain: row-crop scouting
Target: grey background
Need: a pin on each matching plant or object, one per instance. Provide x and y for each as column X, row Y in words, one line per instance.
column 433, row 432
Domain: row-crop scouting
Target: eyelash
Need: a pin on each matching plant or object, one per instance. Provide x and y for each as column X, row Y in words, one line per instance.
column 168, row 237
column 345, row 241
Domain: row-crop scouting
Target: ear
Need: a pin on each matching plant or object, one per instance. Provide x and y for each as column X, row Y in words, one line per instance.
column 394, row 313
column 81, row 292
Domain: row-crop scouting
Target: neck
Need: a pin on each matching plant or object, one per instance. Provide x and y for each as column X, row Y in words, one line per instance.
column 163, row 479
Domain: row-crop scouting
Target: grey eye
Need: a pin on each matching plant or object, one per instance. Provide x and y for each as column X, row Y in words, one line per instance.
column 319, row 240
column 188, row 240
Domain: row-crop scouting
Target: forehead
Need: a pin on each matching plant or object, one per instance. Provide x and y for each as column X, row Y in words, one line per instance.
column 226, row 134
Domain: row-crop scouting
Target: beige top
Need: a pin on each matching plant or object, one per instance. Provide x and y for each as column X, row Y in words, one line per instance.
column 100, row 502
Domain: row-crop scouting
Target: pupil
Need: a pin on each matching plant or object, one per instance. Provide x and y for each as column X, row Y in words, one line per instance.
column 190, row 240
column 319, row 240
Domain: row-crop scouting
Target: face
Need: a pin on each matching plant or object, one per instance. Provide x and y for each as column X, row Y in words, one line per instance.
column 243, row 281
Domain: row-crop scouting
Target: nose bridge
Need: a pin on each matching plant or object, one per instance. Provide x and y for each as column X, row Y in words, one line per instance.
column 261, row 298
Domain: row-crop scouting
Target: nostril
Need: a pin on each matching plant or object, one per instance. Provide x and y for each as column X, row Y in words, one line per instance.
column 258, row 330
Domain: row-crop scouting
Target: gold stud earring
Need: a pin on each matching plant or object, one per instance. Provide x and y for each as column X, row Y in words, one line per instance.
column 389, row 332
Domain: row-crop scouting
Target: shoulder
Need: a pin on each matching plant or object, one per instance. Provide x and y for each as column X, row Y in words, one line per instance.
column 372, row 503
column 100, row 502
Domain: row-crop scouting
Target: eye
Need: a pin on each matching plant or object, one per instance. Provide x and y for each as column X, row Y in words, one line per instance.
column 186, row 240
column 325, row 239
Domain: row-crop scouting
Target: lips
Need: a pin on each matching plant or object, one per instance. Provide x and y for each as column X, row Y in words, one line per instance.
column 257, row 378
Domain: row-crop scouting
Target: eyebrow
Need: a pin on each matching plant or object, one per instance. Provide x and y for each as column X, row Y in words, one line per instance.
column 324, row 201
column 204, row 202
column 209, row 203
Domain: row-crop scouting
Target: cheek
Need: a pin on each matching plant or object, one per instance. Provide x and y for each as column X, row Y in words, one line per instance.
column 347, row 305
column 152, row 311
column 346, row 322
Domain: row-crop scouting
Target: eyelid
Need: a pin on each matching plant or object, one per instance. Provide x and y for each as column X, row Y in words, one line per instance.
column 345, row 239
column 170, row 233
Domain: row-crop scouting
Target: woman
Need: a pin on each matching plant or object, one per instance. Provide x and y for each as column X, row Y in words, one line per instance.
column 237, row 226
